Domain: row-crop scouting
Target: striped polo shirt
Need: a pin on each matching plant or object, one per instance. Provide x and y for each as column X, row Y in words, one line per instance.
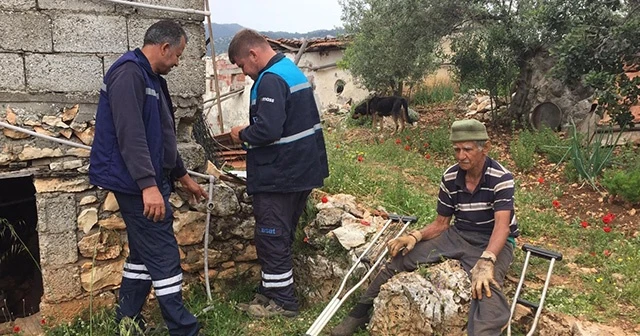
column 474, row 211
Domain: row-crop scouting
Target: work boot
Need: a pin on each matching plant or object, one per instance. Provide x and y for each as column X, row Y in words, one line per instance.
column 258, row 299
column 269, row 310
column 350, row 325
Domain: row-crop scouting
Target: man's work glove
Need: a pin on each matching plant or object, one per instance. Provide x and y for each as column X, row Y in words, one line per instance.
column 482, row 275
column 405, row 243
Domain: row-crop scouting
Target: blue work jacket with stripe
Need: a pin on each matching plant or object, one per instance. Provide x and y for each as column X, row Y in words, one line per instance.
column 285, row 146
column 108, row 168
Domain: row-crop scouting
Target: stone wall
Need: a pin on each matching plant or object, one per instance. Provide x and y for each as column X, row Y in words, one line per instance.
column 53, row 56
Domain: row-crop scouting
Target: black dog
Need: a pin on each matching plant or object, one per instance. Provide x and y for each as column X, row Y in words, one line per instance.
column 396, row 107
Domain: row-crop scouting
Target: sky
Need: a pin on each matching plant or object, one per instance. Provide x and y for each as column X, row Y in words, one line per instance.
column 278, row 15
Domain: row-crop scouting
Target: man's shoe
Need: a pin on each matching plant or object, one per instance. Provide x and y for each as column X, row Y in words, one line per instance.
column 258, row 299
column 350, row 325
column 269, row 310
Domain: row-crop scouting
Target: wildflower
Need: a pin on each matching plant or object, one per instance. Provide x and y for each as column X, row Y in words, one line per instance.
column 360, row 158
column 427, row 156
column 608, row 218
column 324, row 199
column 398, row 141
column 606, row 253
column 43, row 322
column 364, row 222
column 407, row 147
column 541, row 180
column 607, row 229
column 305, row 239
column 619, row 259
column 584, row 224
column 16, row 329
column 426, row 144
column 555, row 203
column 599, row 280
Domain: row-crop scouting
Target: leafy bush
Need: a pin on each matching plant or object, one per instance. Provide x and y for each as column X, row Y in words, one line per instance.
column 438, row 93
column 523, row 152
column 547, row 142
column 625, row 184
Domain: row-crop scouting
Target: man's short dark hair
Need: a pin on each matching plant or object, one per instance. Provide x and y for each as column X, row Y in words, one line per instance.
column 165, row 31
column 243, row 41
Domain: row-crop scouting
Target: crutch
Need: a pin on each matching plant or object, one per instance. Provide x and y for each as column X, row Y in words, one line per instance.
column 552, row 256
column 337, row 301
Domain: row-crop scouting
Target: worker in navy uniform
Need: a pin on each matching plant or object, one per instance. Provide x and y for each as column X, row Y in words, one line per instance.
column 134, row 154
column 286, row 159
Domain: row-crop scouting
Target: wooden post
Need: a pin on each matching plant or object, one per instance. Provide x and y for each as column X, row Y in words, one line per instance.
column 215, row 68
column 300, row 51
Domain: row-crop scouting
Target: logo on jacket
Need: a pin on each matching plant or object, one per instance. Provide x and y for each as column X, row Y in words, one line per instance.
column 267, row 99
column 269, row 231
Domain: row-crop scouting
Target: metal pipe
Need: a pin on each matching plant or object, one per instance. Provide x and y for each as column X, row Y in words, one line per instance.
column 164, row 8
column 206, row 239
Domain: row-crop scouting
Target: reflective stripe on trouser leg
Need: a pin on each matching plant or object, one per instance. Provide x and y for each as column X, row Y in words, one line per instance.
column 277, row 216
column 157, row 252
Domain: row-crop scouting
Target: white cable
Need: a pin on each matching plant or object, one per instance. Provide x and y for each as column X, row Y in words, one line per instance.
column 165, row 8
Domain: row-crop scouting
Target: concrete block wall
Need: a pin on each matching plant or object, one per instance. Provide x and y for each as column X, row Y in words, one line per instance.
column 53, row 56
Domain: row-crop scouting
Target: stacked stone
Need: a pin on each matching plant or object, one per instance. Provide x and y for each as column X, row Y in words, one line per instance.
column 53, row 56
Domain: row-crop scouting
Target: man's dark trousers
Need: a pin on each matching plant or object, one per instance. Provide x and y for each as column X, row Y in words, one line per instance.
column 277, row 216
column 153, row 259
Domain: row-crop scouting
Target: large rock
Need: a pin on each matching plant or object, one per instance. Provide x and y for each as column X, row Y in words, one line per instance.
column 114, row 222
column 413, row 304
column 225, row 202
column 104, row 244
column 98, row 276
column 316, row 276
column 189, row 227
column 87, row 219
column 194, row 260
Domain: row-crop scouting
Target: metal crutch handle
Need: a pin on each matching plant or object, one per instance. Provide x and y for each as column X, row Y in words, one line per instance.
column 336, row 302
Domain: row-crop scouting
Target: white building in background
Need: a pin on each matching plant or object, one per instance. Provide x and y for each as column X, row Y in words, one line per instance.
column 333, row 86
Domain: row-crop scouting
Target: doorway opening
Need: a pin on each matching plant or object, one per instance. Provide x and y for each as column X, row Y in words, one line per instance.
column 20, row 276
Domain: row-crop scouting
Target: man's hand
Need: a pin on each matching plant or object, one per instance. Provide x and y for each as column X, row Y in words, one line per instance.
column 194, row 189
column 405, row 243
column 235, row 133
column 482, row 276
column 153, row 204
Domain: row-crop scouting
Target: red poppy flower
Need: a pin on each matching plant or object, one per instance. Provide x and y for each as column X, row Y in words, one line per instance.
column 16, row 329
column 43, row 321
column 606, row 253
column 607, row 229
column 324, row 199
column 305, row 239
column 584, row 224
column 426, row 144
column 608, row 218
column 541, row 180
column 360, row 158
column 407, row 147
column 427, row 156
column 364, row 222
column 398, row 141
column 555, row 203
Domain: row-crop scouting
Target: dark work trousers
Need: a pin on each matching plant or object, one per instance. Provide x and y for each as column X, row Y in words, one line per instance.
column 277, row 216
column 153, row 260
column 487, row 316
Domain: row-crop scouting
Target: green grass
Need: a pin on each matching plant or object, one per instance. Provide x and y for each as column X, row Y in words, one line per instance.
column 405, row 182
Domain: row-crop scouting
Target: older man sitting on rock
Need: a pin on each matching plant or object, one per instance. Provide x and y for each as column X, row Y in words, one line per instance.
column 478, row 192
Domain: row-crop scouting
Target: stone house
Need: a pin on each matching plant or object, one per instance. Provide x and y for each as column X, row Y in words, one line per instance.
column 63, row 241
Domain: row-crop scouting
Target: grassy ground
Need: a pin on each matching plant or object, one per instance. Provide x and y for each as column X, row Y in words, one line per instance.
column 597, row 280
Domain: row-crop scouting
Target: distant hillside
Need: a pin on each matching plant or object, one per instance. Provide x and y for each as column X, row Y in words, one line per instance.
column 223, row 33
